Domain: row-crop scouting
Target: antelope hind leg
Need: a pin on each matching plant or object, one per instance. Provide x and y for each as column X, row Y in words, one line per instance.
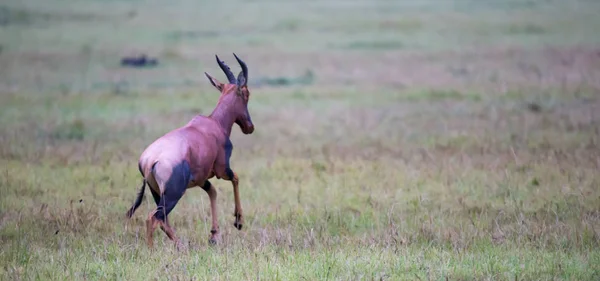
column 175, row 186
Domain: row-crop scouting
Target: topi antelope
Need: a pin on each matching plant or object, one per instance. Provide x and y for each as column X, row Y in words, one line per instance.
column 190, row 155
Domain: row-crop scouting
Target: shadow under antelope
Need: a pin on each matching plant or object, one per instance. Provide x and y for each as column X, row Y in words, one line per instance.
column 190, row 155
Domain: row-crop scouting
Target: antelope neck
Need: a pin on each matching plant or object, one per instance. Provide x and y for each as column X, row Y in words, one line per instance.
column 223, row 113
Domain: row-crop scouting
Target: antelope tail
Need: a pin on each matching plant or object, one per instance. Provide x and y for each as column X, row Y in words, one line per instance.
column 138, row 200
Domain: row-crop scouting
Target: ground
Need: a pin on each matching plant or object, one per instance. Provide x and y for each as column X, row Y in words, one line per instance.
column 395, row 140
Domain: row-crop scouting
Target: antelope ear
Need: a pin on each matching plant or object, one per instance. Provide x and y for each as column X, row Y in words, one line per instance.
column 241, row 80
column 214, row 82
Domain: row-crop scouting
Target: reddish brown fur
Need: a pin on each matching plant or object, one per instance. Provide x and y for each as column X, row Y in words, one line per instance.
column 203, row 143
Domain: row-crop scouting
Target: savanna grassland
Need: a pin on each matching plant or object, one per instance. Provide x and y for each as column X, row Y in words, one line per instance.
column 395, row 140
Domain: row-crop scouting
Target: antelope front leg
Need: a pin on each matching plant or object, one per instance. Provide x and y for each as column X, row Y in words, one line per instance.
column 212, row 195
column 224, row 171
column 237, row 213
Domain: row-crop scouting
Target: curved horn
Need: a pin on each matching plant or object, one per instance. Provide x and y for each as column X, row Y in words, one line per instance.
column 227, row 71
column 243, row 65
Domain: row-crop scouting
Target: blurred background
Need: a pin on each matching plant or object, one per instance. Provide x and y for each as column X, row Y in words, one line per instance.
column 469, row 127
column 74, row 46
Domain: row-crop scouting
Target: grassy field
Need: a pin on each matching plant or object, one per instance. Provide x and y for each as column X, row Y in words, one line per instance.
column 395, row 140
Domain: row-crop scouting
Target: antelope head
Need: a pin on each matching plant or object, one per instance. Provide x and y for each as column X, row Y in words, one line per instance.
column 237, row 88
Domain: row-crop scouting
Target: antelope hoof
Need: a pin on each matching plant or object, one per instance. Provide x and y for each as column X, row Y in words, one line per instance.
column 214, row 234
column 237, row 225
column 238, row 221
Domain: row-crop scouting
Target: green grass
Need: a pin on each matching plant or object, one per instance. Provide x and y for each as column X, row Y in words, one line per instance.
column 395, row 140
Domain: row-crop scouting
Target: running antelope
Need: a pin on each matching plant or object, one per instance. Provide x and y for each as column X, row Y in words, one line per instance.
column 190, row 155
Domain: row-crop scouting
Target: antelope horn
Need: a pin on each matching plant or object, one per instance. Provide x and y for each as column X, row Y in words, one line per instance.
column 243, row 65
column 227, row 71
